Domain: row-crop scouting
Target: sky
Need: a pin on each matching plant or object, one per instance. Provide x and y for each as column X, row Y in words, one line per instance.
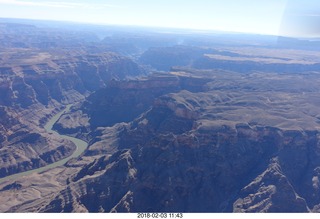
column 251, row 16
column 301, row 18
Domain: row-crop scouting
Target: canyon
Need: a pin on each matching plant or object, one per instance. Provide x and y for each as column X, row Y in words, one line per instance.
column 214, row 125
column 36, row 83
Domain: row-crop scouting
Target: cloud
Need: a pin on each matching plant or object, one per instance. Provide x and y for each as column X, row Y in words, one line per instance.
column 57, row 4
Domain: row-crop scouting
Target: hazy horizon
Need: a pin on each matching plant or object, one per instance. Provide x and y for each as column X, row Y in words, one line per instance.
column 273, row 17
column 242, row 16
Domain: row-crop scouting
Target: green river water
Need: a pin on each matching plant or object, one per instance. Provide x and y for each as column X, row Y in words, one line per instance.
column 81, row 146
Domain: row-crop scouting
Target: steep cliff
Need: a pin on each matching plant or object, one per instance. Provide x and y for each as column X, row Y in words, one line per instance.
column 24, row 144
column 42, row 68
column 123, row 101
column 223, row 148
column 33, row 85
column 176, row 157
column 242, row 139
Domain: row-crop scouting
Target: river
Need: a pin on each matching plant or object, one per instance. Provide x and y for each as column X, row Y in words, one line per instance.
column 81, row 146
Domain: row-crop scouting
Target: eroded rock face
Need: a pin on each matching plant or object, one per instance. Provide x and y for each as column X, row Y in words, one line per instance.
column 270, row 192
column 123, row 101
column 196, row 148
column 34, row 154
column 189, row 141
column 65, row 79
column 181, row 172
column 33, row 87
column 175, row 158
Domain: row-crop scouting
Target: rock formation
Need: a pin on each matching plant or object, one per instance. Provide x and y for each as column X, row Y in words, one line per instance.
column 233, row 130
column 34, row 83
column 203, row 150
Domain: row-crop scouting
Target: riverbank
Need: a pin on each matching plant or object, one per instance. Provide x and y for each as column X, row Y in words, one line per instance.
column 80, row 147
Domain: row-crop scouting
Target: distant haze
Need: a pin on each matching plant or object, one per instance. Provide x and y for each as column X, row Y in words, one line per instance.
column 274, row 17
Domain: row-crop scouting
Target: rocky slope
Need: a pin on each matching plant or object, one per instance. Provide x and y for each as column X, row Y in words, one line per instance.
column 24, row 144
column 241, row 143
column 242, row 139
column 43, row 68
column 33, row 85
column 123, row 101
